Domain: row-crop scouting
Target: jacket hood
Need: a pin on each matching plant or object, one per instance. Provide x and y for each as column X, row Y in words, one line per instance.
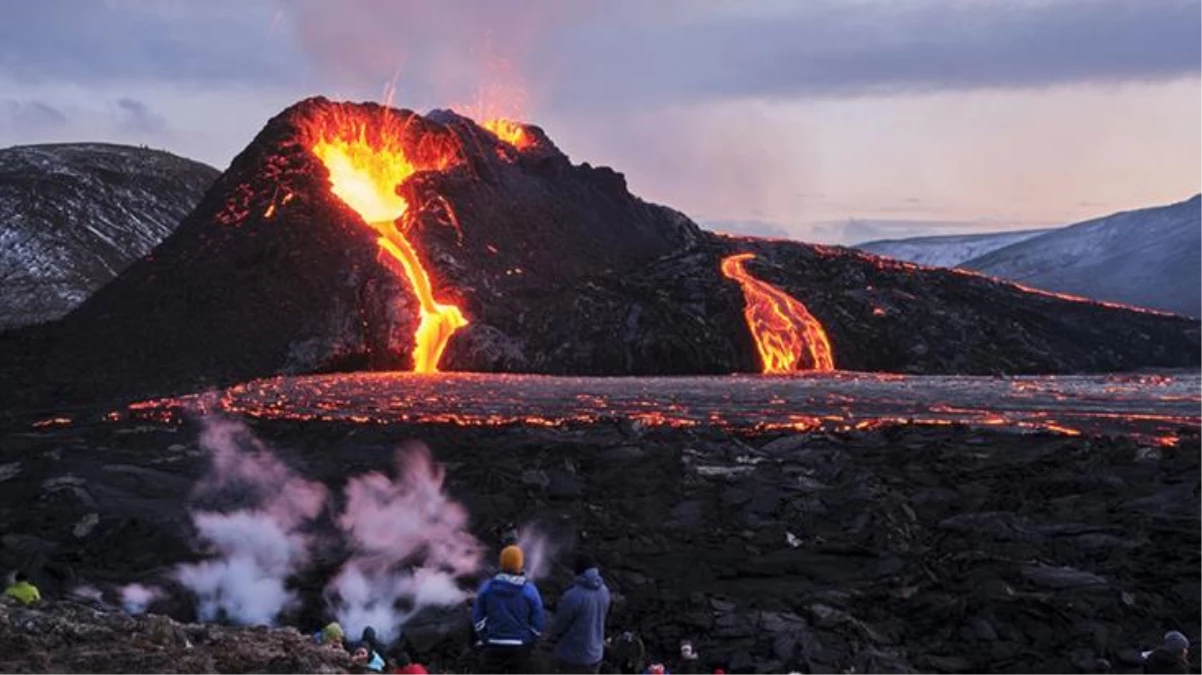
column 508, row 584
column 591, row 578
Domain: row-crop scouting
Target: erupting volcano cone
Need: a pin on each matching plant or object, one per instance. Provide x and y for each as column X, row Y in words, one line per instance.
column 368, row 161
column 358, row 237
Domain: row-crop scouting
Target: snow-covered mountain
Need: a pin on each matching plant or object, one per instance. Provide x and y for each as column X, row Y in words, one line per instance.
column 1150, row 257
column 946, row 250
column 72, row 216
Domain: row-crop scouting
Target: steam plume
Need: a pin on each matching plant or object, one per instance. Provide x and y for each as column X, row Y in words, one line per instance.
column 135, row 598
column 539, row 549
column 255, row 547
column 410, row 542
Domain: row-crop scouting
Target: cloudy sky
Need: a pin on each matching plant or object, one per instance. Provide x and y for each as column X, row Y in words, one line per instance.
column 834, row 121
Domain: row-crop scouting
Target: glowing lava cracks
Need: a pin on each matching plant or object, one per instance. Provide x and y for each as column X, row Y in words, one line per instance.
column 367, row 160
column 788, row 337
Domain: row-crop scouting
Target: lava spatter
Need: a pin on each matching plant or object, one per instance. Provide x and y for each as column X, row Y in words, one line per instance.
column 510, row 132
column 368, row 155
column 787, row 336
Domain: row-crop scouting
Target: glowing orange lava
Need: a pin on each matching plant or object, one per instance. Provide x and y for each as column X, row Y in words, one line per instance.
column 788, row 337
column 510, row 132
column 367, row 157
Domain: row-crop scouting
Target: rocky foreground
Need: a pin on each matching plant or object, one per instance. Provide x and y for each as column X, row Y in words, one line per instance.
column 904, row 549
column 75, row 637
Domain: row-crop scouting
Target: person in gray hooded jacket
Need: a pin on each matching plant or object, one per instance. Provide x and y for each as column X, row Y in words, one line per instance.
column 579, row 628
column 1171, row 657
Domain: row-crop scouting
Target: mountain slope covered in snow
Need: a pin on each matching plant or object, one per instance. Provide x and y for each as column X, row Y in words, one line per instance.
column 73, row 216
column 946, row 250
column 1149, row 257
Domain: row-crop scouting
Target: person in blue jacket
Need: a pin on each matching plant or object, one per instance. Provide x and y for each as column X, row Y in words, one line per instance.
column 579, row 624
column 508, row 616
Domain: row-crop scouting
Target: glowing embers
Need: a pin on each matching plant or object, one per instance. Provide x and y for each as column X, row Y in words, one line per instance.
column 787, row 336
column 842, row 401
column 368, row 155
column 510, row 132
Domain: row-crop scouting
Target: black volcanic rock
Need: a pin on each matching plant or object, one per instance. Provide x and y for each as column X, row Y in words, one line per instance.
column 73, row 216
column 558, row 268
column 907, row 549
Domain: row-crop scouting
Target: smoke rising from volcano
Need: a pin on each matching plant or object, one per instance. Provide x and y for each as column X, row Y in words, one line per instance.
column 436, row 53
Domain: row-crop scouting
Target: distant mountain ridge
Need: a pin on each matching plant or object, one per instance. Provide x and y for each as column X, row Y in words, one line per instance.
column 946, row 250
column 74, row 215
column 1149, row 257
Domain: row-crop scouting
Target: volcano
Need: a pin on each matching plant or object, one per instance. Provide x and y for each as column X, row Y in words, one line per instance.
column 361, row 237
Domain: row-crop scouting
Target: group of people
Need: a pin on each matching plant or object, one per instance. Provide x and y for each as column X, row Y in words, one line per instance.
column 369, row 654
column 509, row 620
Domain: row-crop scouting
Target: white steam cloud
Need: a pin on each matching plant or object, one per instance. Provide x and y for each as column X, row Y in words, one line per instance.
column 135, row 598
column 539, row 549
column 256, row 547
column 409, row 541
column 88, row 592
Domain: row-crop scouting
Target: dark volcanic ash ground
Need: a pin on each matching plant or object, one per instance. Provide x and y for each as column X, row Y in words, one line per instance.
column 928, row 548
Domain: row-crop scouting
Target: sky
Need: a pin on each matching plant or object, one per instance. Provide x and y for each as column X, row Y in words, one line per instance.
column 828, row 121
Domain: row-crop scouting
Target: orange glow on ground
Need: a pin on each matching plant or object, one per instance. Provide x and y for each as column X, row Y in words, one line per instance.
column 367, row 159
column 787, row 336
column 1164, row 413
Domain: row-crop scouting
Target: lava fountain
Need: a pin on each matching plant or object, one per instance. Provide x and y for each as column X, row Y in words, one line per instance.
column 787, row 336
column 510, row 132
column 367, row 157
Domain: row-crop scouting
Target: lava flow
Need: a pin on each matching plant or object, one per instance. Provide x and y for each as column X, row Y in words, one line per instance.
column 367, row 159
column 1160, row 410
column 788, row 337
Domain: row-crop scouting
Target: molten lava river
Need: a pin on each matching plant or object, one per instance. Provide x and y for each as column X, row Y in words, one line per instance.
column 1151, row 407
column 367, row 159
column 787, row 336
column 368, row 155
